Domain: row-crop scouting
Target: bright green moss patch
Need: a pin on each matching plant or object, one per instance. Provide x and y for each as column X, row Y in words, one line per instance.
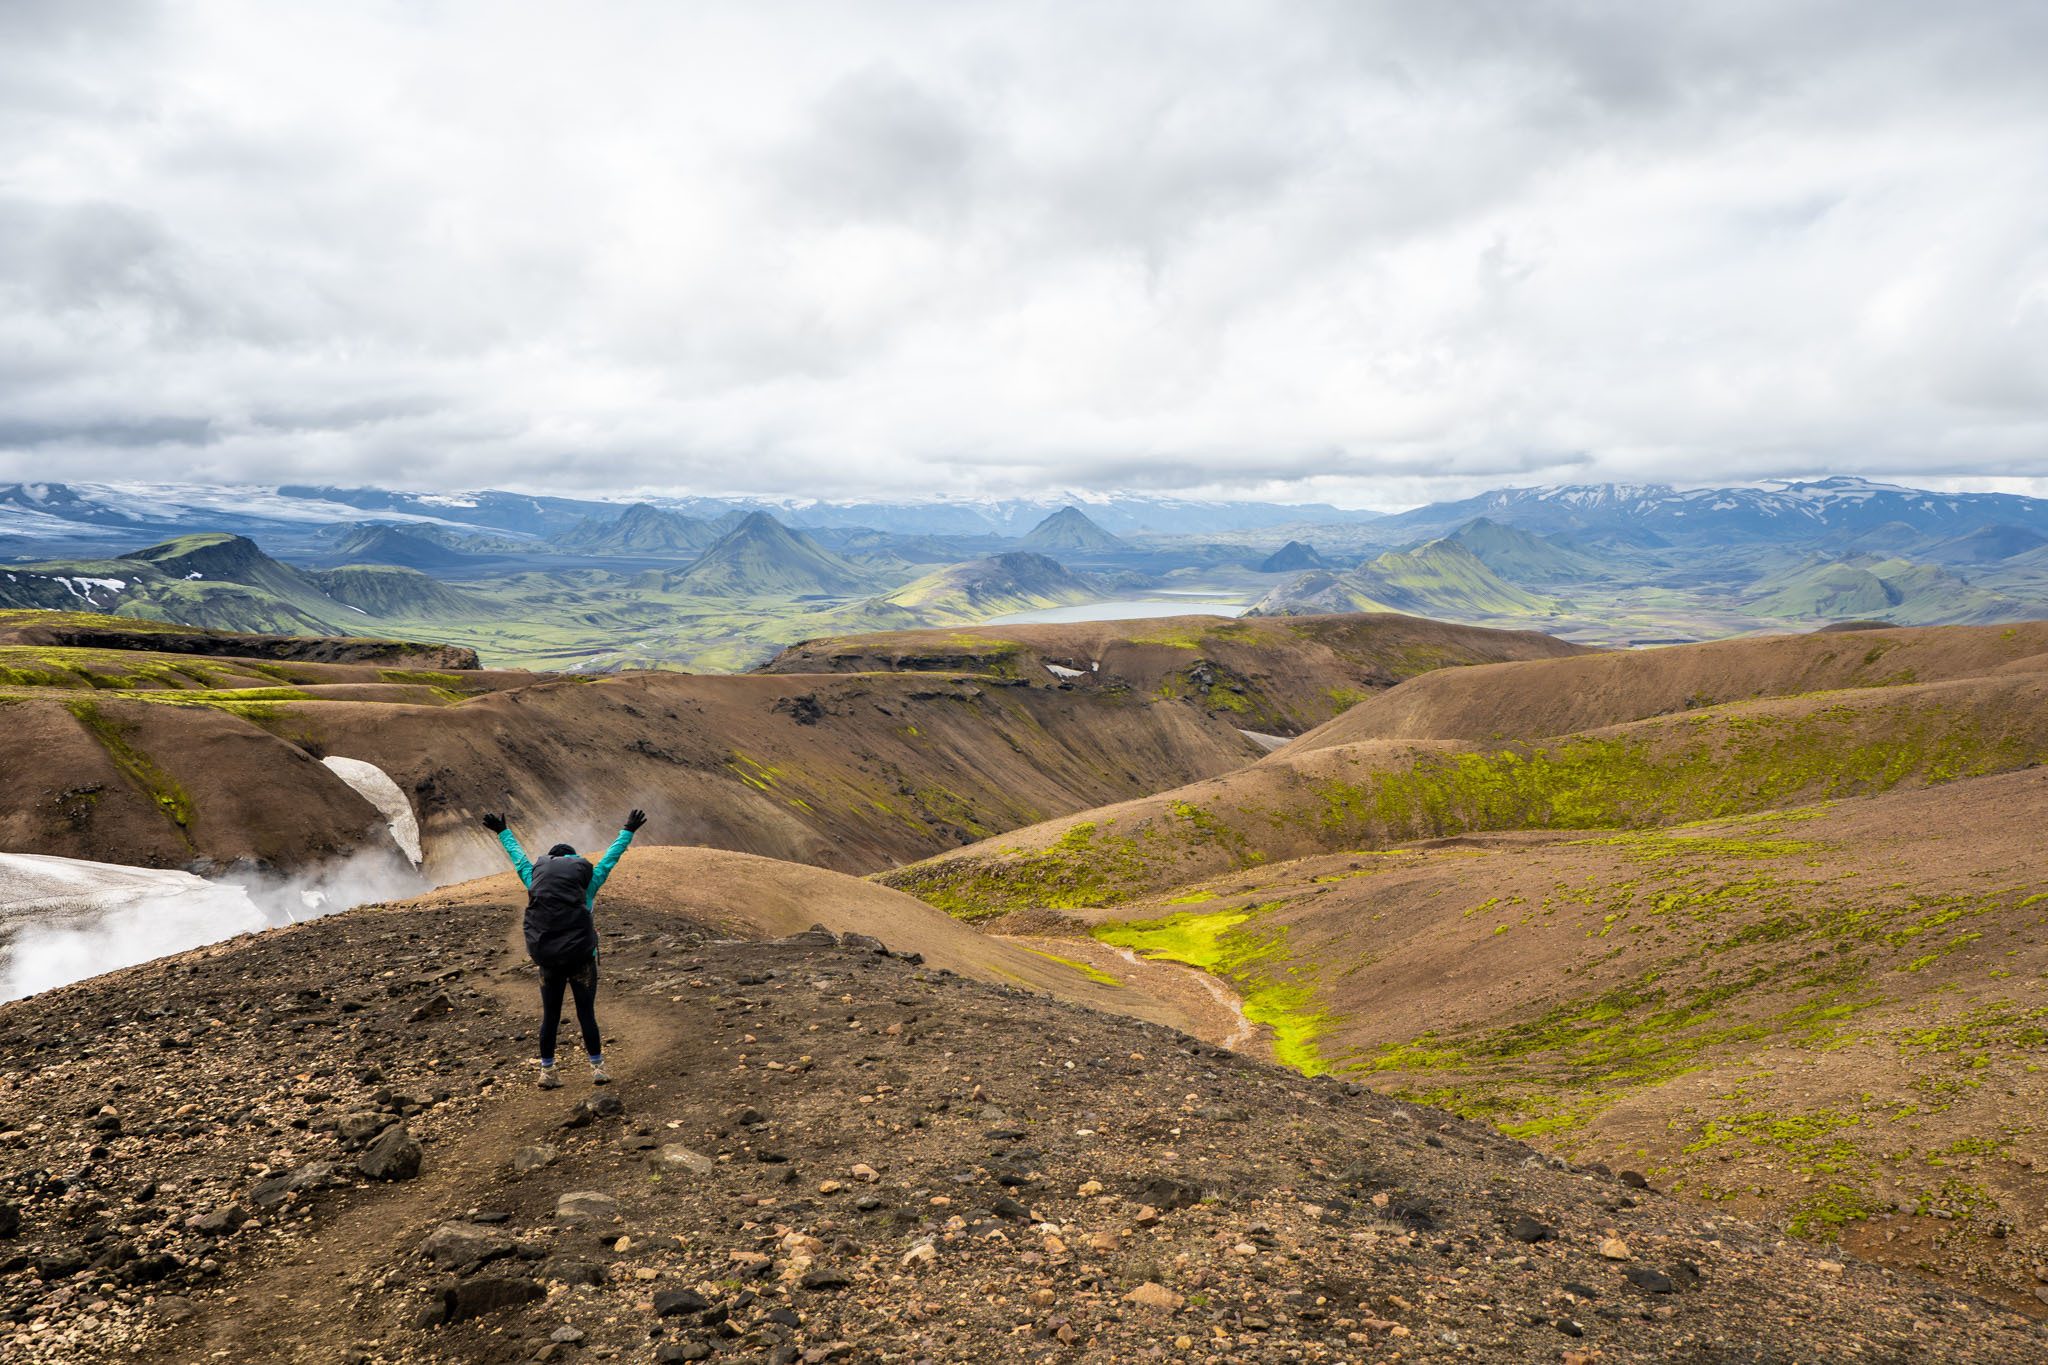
column 1276, row 991
column 1079, row 870
column 1095, row 974
column 135, row 765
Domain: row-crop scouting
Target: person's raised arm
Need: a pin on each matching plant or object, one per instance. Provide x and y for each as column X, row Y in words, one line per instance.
column 613, row 854
column 509, row 841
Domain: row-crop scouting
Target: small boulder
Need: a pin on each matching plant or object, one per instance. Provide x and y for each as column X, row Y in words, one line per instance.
column 527, row 1160
column 395, row 1155
column 597, row 1107
column 358, row 1128
column 580, row 1206
column 1527, row 1229
column 1168, row 1192
column 670, row 1303
column 464, row 1246
column 1648, row 1280
column 676, row 1159
column 218, row 1222
column 1156, row 1297
column 487, row 1294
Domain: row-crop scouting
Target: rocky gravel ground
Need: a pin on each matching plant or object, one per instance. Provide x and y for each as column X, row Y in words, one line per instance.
column 323, row 1144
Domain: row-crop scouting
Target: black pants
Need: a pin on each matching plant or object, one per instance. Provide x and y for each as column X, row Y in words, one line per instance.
column 582, row 983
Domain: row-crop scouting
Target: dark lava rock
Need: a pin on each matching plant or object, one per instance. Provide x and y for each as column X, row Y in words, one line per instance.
column 474, row 1298
column 671, row 1303
column 682, row 1351
column 563, row 1270
column 10, row 1220
column 393, row 1156
column 1634, row 1180
column 596, row 1107
column 825, row 1281
column 1527, row 1229
column 1168, row 1192
column 1648, row 1280
column 218, row 1221
column 459, row 1246
column 358, row 1128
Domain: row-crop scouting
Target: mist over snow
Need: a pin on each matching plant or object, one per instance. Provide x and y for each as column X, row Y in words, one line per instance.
column 1369, row 253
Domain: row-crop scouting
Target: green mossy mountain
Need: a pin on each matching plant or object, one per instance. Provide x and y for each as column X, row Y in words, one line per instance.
column 643, row 530
column 978, row 589
column 761, row 557
column 1523, row 556
column 1440, row 578
column 1293, row 557
column 1070, row 530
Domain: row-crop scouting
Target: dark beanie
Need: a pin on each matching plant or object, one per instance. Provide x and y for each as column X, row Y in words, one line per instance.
column 561, row 851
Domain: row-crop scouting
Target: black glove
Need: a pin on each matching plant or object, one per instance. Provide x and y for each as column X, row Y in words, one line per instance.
column 494, row 822
column 635, row 820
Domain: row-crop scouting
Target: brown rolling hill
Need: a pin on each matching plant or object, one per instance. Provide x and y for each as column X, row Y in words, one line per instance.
column 1522, row 701
column 1783, row 952
column 1274, row 675
column 848, row 772
column 323, row 1143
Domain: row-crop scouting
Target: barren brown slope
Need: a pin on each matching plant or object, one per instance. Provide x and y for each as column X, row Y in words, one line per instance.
column 1276, row 675
column 847, row 772
column 812, row 1151
column 1558, row 697
column 1829, row 1018
column 1309, row 799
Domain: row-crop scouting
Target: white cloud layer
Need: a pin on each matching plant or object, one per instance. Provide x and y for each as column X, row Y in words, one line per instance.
column 1362, row 252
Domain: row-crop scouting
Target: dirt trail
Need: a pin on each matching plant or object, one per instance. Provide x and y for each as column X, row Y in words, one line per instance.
column 306, row 1301
column 1216, row 1014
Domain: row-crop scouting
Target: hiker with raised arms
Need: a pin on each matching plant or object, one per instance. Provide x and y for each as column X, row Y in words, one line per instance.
column 561, row 935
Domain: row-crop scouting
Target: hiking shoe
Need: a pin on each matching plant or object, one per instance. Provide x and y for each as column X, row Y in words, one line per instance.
column 598, row 1075
column 548, row 1079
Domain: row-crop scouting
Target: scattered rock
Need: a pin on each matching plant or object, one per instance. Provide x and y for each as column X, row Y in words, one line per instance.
column 1648, row 1280
column 588, row 1111
column 395, row 1155
column 473, row 1298
column 676, row 1159
column 1168, row 1192
column 464, row 1246
column 527, row 1160
column 580, row 1206
column 1527, row 1229
column 1156, row 1296
column 1614, row 1249
column 671, row 1303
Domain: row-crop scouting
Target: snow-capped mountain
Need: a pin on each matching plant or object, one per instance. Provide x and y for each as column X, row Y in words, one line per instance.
column 1784, row 510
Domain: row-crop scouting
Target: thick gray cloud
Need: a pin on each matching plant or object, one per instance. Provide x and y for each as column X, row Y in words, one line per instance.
column 1371, row 253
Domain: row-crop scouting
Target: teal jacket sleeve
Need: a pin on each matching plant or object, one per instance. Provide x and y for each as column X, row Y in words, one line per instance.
column 606, row 864
column 520, row 862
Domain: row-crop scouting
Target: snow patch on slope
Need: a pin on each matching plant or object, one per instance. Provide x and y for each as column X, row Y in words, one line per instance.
column 375, row 786
column 63, row 919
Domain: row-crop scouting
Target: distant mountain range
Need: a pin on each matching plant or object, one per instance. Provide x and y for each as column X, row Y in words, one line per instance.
column 1648, row 514
column 718, row 583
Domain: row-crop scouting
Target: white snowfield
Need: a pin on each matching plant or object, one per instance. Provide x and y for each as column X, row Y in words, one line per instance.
column 64, row 919
column 374, row 785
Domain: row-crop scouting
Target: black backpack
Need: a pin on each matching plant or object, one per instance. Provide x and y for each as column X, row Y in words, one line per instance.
column 559, row 931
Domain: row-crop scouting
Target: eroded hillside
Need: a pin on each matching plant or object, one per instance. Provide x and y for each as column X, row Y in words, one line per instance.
column 1785, row 951
column 1275, row 676
column 815, row 1150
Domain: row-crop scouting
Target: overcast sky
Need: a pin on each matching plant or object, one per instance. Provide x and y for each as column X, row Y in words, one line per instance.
column 1364, row 253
